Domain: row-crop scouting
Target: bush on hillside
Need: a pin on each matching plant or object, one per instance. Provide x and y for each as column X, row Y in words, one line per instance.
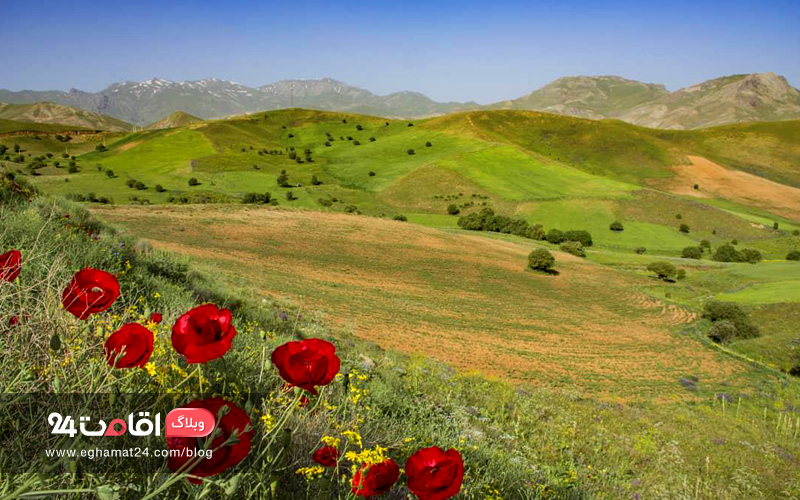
column 750, row 255
column 692, row 253
column 796, row 232
column 428, row 144
column 722, row 331
column 616, row 226
column 110, row 174
column 640, row 250
column 716, row 311
column 315, row 181
column 793, row 255
column 283, row 179
column 728, row 253
column 453, row 209
column 579, row 235
column 401, row 218
column 705, row 244
column 573, row 247
column 541, row 260
column 663, row 270
column 159, row 188
column 290, row 196
column 684, row 228
column 72, row 169
column 254, row 198
column 194, row 182
column 410, row 151
column 555, row 236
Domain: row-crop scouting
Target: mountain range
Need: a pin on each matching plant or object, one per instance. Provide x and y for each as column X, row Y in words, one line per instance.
column 729, row 99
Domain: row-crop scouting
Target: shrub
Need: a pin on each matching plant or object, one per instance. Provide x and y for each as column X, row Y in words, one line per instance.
column 722, row 331
column 371, row 173
column 678, row 216
column 283, row 179
column 257, row 198
column 428, row 144
column 140, row 186
column 410, row 124
column 110, row 174
column 793, row 255
column 351, row 209
column 315, row 181
column 573, row 247
column 681, row 275
column 371, row 139
column 130, row 183
column 327, row 143
column 193, row 182
column 541, row 260
column 775, row 226
column 684, row 228
column 692, row 253
column 159, row 188
column 555, row 236
column 325, row 202
column 72, row 169
column 716, row 311
column 401, row 218
column 101, row 148
column 452, row 209
column 410, row 151
column 696, row 186
column 705, row 244
column 290, row 196
column 535, row 232
column 640, row 250
column 356, row 143
column 616, row 226
column 796, row 232
column 580, row 235
column 663, row 270
column 359, row 127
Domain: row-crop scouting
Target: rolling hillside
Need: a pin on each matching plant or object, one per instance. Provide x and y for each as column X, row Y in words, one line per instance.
column 174, row 120
column 47, row 112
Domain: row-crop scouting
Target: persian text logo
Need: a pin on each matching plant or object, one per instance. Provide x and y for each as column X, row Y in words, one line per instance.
column 180, row 422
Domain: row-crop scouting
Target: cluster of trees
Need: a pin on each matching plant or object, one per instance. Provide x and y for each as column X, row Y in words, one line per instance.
column 487, row 220
column 728, row 322
column 556, row 237
column 259, row 198
column 91, row 197
column 63, row 138
column 134, row 184
column 729, row 253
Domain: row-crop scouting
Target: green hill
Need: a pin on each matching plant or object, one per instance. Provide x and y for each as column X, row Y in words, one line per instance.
column 174, row 120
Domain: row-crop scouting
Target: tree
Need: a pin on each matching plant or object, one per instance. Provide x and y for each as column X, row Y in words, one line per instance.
column 110, row 174
column 750, row 255
column 72, row 169
column 663, row 270
column 616, row 226
column 726, row 253
column 681, row 275
column 580, row 235
column 356, row 143
column 640, row 250
column 16, row 148
column 410, row 151
column 775, row 226
column 410, row 124
column 428, row 144
column 372, row 173
column 315, row 181
column 684, row 228
column 194, row 182
column 290, row 196
column 541, row 260
column 159, row 188
column 722, row 331
column 555, row 236
column 101, row 148
column 796, row 232
column 400, row 217
column 793, row 255
column 3, row 149
column 453, row 209
column 359, row 127
column 692, row 253
column 371, row 139
column 283, row 179
column 705, row 244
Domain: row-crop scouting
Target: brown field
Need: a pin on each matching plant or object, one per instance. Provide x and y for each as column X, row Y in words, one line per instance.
column 735, row 185
column 465, row 299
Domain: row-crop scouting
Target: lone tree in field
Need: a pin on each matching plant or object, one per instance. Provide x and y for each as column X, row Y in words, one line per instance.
column 194, row 182
column 616, row 226
column 541, row 260
column 663, row 270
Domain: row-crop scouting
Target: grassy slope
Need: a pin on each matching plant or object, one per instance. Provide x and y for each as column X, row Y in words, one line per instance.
column 50, row 113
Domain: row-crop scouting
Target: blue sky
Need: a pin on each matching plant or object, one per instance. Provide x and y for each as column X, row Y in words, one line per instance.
column 454, row 50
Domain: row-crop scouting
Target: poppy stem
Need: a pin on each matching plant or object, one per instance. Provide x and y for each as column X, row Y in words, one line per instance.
column 199, row 372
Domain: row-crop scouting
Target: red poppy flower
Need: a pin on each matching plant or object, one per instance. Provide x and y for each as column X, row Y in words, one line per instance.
column 434, row 474
column 203, row 334
column 89, row 292
column 375, row 479
column 10, row 265
column 156, row 318
column 307, row 363
column 137, row 343
column 14, row 320
column 222, row 458
column 327, row 456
